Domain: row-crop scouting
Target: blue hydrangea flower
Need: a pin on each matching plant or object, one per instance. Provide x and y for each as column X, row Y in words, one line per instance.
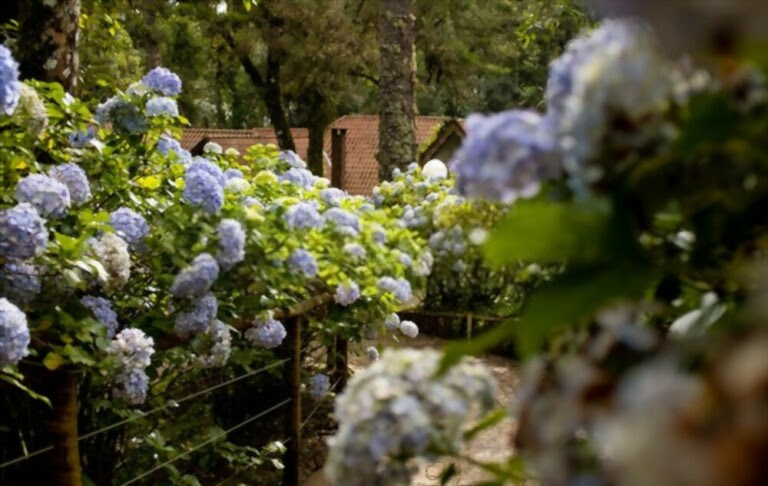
column 303, row 261
column 132, row 386
column 342, row 220
column 49, row 196
column 132, row 348
column 347, row 293
column 299, row 177
column 130, row 225
column 405, row 259
column 303, row 215
column 409, row 328
column 372, row 353
column 162, row 106
column 14, row 333
column 379, row 235
column 268, row 333
column 124, row 115
column 201, row 164
column 392, row 322
column 10, row 86
column 19, row 281
column 333, row 196
column 22, row 232
column 505, row 156
column 202, row 189
column 80, row 139
column 197, row 319
column 231, row 243
column 166, row 145
column 355, row 250
column 233, row 174
column 412, row 167
column 400, row 288
column 292, row 159
column 162, row 80
column 103, row 312
column 196, row 279
column 319, row 385
column 74, row 177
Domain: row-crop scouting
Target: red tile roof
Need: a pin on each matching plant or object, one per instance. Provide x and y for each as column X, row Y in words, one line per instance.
column 241, row 139
column 361, row 173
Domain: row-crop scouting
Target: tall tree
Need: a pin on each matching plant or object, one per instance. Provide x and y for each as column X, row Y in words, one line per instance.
column 397, row 79
column 49, row 34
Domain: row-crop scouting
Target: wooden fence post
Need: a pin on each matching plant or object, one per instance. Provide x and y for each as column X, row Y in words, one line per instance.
column 292, row 379
column 469, row 325
column 342, row 370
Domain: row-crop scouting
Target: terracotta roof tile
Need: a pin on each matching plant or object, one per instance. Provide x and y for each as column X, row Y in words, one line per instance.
column 241, row 139
column 361, row 173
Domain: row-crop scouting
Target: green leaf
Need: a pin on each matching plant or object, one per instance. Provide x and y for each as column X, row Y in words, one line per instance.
column 13, row 380
column 53, row 361
column 549, row 233
column 149, row 182
column 487, row 422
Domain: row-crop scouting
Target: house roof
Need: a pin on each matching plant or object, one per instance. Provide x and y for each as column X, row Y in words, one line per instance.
column 361, row 172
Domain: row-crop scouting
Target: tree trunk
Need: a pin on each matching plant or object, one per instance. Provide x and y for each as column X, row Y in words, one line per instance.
column 48, row 41
column 273, row 99
column 315, row 159
column 151, row 45
column 397, row 110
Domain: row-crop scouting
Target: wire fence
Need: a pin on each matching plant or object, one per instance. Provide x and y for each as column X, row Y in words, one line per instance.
column 292, row 364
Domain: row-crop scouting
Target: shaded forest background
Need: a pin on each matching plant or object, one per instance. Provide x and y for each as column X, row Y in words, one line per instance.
column 319, row 58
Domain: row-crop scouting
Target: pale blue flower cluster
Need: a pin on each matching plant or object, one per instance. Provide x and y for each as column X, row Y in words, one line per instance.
column 505, row 156
column 354, row 250
column 302, row 261
column 49, row 196
column 347, row 293
column 319, row 385
column 613, row 74
column 372, row 353
column 333, row 196
column 22, row 232
column 198, row 317
column 233, row 174
column 129, row 225
column 292, row 159
column 342, row 221
column 268, row 333
column 124, row 115
column 204, row 185
column 74, row 177
column 379, row 235
column 19, row 281
column 302, row 215
column 413, row 217
column 400, row 288
column 166, row 145
column 220, row 338
column 398, row 409
column 10, row 86
column 392, row 322
column 451, row 242
column 196, row 279
column 409, row 328
column 299, row 177
column 14, row 333
column 80, row 139
column 231, row 243
column 132, row 351
column 162, row 106
column 162, row 80
column 103, row 312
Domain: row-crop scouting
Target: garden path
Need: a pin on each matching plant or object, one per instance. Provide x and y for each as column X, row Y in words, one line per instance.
column 491, row 445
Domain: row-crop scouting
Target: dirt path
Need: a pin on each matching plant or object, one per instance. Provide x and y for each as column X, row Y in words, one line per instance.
column 491, row 445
